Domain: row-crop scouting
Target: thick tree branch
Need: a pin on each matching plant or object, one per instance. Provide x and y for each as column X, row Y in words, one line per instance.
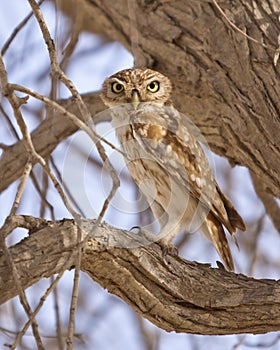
column 45, row 138
column 228, row 87
column 174, row 294
column 226, row 83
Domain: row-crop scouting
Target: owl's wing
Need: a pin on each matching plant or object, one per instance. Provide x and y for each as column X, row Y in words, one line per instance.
column 169, row 141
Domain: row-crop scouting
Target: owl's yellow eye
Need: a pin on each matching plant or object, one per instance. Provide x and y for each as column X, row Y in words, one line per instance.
column 117, row 87
column 153, row 86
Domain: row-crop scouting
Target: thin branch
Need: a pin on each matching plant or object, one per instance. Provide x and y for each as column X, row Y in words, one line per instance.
column 57, row 317
column 271, row 48
column 33, row 178
column 10, row 124
column 16, row 103
column 78, row 122
column 240, row 342
column 21, row 187
column 75, row 292
column 55, row 68
column 23, row 299
column 37, row 309
column 8, row 91
column 75, row 33
column 66, row 188
column 263, row 345
column 46, row 137
column 57, row 71
column 150, row 338
column 17, row 30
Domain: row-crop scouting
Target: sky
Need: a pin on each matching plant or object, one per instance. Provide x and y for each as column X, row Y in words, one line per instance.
column 104, row 319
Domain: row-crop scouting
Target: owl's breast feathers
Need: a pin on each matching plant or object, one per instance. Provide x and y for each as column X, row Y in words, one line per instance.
column 169, row 142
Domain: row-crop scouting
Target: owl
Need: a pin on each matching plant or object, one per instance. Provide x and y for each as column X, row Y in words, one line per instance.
column 167, row 162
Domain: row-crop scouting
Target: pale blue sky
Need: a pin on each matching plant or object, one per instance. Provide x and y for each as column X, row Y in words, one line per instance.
column 107, row 320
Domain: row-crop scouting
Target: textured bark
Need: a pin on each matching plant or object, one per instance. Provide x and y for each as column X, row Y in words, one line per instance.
column 174, row 294
column 227, row 84
column 54, row 129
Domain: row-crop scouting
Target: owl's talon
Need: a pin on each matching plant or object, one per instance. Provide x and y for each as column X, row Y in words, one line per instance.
column 135, row 227
column 220, row 265
column 144, row 233
column 168, row 249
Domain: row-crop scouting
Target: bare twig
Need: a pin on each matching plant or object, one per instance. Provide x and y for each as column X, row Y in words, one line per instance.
column 263, row 345
column 75, row 292
column 78, row 122
column 16, row 103
column 21, row 187
column 37, row 309
column 33, row 178
column 56, row 71
column 75, row 32
column 150, row 339
column 21, row 293
column 10, row 124
column 17, row 30
column 240, row 342
column 271, row 48
column 57, row 317
column 66, row 188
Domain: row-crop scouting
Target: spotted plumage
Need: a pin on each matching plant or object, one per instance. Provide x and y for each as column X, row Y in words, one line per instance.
column 166, row 161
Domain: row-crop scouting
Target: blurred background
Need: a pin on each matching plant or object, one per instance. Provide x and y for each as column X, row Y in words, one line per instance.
column 103, row 320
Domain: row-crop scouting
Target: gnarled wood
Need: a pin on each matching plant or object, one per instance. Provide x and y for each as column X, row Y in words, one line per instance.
column 226, row 83
column 174, row 294
column 229, row 86
column 45, row 138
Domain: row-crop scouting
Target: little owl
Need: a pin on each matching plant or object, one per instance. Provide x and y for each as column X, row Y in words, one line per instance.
column 166, row 160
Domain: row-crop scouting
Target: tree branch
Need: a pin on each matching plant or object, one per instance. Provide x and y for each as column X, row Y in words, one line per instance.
column 224, row 81
column 228, row 87
column 54, row 129
column 174, row 294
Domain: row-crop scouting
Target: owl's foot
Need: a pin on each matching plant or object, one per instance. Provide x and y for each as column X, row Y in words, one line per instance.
column 148, row 236
column 220, row 265
column 168, row 248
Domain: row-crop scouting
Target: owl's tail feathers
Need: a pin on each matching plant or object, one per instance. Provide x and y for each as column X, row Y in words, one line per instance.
column 235, row 220
column 214, row 231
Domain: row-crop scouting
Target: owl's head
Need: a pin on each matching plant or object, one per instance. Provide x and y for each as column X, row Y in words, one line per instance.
column 135, row 86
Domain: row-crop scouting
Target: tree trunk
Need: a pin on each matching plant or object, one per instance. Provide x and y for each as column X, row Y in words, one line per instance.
column 227, row 83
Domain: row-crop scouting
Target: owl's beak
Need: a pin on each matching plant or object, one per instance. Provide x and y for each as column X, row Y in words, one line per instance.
column 135, row 99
